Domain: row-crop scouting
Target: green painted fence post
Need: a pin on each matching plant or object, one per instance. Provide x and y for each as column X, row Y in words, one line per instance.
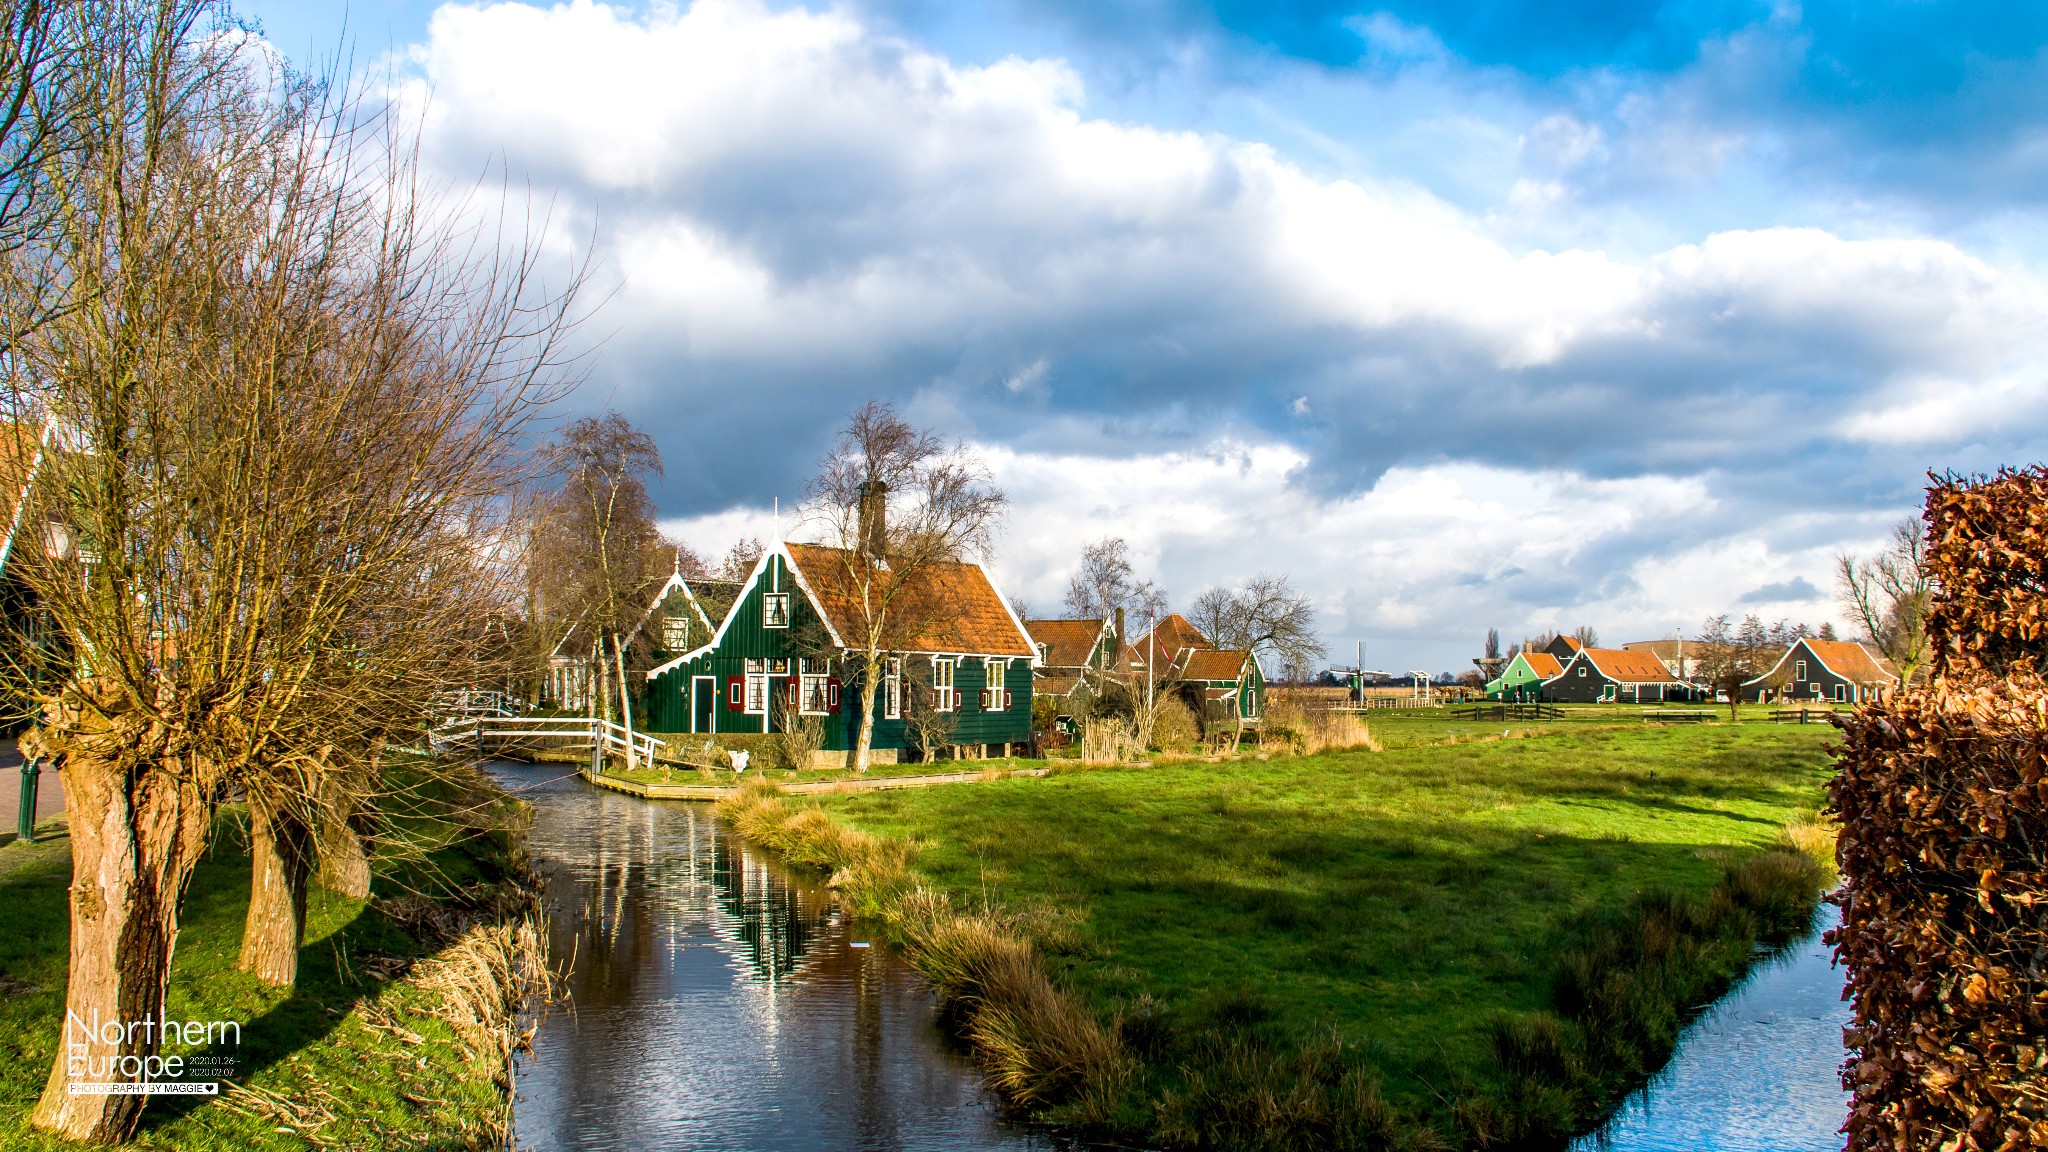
column 29, row 771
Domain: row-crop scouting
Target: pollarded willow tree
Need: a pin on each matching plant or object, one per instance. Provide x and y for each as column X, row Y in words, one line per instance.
column 286, row 394
column 895, row 501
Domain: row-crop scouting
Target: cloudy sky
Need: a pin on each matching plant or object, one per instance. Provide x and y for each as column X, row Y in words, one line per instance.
column 1466, row 314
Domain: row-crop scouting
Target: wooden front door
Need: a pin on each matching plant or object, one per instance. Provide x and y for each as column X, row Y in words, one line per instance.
column 703, row 704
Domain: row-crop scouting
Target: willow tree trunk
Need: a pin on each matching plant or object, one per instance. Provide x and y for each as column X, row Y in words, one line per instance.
column 281, row 863
column 138, row 826
column 344, row 856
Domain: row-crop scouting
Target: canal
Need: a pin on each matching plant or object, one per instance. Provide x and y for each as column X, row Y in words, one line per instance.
column 1757, row 1072
column 716, row 1001
column 719, row 1002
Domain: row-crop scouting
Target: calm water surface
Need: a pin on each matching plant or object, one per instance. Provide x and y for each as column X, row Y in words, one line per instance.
column 718, row 1002
column 1756, row 1073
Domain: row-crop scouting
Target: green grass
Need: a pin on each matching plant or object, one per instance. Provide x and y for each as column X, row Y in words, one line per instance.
column 346, row 1084
column 1398, row 905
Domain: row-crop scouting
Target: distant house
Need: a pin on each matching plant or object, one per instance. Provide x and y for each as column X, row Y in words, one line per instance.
column 1601, row 675
column 1232, row 679
column 682, row 612
column 1176, row 652
column 1073, row 654
column 1522, row 680
column 783, row 649
column 1682, row 658
column 1836, row 671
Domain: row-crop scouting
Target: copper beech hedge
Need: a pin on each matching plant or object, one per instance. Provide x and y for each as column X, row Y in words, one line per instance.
column 1987, row 549
column 1943, row 799
column 1942, row 795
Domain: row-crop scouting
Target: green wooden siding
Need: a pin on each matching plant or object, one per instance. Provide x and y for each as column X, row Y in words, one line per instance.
column 670, row 707
column 1517, row 682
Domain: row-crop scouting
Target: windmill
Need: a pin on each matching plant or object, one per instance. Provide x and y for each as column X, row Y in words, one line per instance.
column 1356, row 675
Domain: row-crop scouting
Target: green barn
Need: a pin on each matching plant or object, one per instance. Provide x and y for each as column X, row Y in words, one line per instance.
column 963, row 669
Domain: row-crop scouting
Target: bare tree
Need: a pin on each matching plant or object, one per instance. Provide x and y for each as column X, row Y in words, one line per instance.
column 1263, row 615
column 1729, row 657
column 287, row 394
column 1586, row 636
column 740, row 559
column 895, row 500
column 1888, row 595
column 599, row 550
column 1106, row 582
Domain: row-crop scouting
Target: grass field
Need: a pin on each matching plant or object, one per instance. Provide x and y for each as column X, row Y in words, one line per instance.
column 1416, row 913
column 354, row 1056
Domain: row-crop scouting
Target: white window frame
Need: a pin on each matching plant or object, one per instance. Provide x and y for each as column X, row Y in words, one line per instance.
column 892, row 688
column 994, row 674
column 757, row 687
column 814, row 683
column 1799, row 669
column 675, row 632
column 946, row 697
column 770, row 601
column 1841, row 693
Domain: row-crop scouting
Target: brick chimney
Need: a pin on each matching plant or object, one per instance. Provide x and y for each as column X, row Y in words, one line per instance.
column 873, row 530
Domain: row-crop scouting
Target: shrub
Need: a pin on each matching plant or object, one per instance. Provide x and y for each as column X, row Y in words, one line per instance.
column 800, row 738
column 1944, row 845
column 1943, row 800
column 1174, row 727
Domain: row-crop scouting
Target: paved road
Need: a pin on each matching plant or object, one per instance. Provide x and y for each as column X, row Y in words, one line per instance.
column 49, row 788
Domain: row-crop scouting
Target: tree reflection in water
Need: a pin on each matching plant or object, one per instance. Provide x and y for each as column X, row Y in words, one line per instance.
column 716, row 1002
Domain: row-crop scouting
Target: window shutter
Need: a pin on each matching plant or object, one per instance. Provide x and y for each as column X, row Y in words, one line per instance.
column 1006, row 700
column 982, row 701
column 832, row 694
column 736, row 688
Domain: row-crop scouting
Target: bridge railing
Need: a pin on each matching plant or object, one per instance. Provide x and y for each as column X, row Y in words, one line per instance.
column 488, row 734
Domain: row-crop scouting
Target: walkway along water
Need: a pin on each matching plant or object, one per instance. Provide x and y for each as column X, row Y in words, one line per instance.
column 1756, row 1073
column 719, row 1002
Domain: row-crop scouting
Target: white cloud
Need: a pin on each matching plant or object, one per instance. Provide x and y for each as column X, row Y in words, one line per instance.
column 802, row 213
column 786, row 186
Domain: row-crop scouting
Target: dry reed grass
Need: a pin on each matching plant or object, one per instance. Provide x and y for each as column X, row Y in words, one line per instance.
column 1037, row 1044
column 1814, row 837
column 1306, row 730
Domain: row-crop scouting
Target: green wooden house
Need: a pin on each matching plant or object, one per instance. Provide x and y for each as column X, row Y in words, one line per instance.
column 782, row 650
column 1232, row 678
column 1522, row 680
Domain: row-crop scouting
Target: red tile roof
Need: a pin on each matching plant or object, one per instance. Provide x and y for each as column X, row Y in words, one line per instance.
column 1626, row 667
column 954, row 607
column 1068, row 643
column 1174, row 635
column 1854, row 662
column 1543, row 664
column 1210, row 664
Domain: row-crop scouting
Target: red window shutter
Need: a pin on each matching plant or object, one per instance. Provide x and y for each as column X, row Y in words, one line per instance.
column 981, row 701
column 1007, row 705
column 832, row 694
column 736, row 692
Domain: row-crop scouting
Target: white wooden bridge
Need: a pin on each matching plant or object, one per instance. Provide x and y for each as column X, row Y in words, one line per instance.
column 486, row 724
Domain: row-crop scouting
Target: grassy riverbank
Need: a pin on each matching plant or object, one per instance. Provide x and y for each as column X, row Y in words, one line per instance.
column 396, row 1033
column 1476, row 944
